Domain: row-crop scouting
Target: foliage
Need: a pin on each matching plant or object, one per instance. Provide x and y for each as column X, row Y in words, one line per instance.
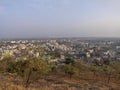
column 69, row 61
column 80, row 66
column 107, row 62
column 70, row 70
column 30, row 70
column 116, row 67
column 93, row 69
column 6, row 62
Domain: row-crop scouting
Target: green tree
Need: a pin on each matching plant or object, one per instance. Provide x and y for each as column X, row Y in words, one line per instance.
column 69, row 61
column 30, row 70
column 36, row 69
column 107, row 70
column 6, row 62
column 116, row 67
column 70, row 70
column 94, row 70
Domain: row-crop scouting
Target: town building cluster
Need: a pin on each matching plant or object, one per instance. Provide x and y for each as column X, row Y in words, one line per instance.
column 57, row 50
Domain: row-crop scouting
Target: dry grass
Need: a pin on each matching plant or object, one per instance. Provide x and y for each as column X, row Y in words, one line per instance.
column 59, row 82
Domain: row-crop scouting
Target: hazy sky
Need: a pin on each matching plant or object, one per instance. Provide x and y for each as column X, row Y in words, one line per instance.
column 59, row 18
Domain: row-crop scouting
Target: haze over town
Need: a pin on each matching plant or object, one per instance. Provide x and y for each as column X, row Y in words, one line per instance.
column 59, row 18
column 59, row 45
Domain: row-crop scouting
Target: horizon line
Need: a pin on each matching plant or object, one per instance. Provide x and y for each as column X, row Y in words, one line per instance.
column 36, row 38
